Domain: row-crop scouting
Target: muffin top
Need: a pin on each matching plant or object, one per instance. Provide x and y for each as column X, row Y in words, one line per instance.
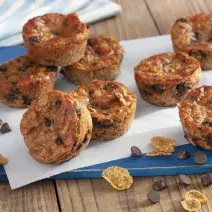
column 166, row 68
column 193, row 32
column 106, row 99
column 20, row 73
column 52, row 127
column 196, row 109
column 101, row 52
column 55, row 27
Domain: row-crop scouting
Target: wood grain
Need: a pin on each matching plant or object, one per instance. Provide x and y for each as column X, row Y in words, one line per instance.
column 39, row 196
column 140, row 18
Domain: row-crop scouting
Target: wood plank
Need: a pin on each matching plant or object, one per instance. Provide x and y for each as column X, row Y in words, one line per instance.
column 134, row 22
column 39, row 196
column 165, row 12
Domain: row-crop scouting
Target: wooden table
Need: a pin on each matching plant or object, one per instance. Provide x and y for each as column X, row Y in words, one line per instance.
column 140, row 18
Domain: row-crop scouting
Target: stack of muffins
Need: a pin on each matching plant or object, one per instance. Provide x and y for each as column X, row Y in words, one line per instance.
column 57, row 126
column 170, row 79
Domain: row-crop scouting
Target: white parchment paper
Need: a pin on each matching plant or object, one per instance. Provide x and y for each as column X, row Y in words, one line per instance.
column 149, row 121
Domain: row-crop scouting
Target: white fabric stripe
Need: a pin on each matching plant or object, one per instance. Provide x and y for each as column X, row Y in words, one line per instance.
column 37, row 4
column 14, row 7
column 1, row 2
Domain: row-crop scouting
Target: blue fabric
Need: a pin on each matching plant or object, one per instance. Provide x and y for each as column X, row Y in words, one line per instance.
column 143, row 166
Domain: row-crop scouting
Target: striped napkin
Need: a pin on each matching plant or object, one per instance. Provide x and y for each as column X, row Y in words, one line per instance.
column 15, row 13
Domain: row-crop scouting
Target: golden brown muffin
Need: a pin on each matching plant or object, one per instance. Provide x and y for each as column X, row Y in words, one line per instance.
column 22, row 81
column 165, row 79
column 193, row 36
column 56, row 127
column 55, row 39
column 102, row 61
column 111, row 105
column 196, row 117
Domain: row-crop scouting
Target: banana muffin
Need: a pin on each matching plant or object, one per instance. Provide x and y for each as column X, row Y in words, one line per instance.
column 196, row 117
column 193, row 36
column 102, row 61
column 112, row 107
column 56, row 127
column 165, row 79
column 55, row 39
column 22, row 81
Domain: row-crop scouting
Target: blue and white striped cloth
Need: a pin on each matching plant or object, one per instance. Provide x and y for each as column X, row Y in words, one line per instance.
column 15, row 13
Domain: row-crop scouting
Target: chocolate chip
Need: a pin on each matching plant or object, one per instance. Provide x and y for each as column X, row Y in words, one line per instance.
column 12, row 95
column 1, row 122
column 183, row 20
column 185, row 180
column 207, row 124
column 89, row 42
column 47, row 122
column 200, row 157
column 145, row 92
column 102, row 107
column 51, row 68
column 206, row 179
column 199, row 54
column 3, row 68
column 103, row 123
column 194, row 99
column 196, row 35
column 186, row 136
column 58, row 103
column 183, row 154
column 87, row 26
column 157, row 88
column 56, row 33
column 210, row 40
column 23, row 68
column 153, row 196
column 159, row 185
column 182, row 88
column 209, row 139
column 77, row 109
column 59, row 141
column 135, row 152
column 110, row 86
column 26, row 100
column 5, row 128
column 34, row 39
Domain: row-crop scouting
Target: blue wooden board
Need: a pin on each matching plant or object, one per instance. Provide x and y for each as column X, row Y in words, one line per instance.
column 143, row 166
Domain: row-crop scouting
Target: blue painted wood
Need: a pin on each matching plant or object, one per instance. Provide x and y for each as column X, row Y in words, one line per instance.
column 143, row 166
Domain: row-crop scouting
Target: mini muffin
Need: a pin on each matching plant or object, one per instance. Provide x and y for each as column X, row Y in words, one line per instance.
column 56, row 127
column 196, row 117
column 102, row 61
column 22, row 81
column 193, row 36
column 55, row 39
column 165, row 79
column 112, row 107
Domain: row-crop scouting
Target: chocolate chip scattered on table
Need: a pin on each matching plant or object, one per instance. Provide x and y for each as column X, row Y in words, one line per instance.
column 135, row 152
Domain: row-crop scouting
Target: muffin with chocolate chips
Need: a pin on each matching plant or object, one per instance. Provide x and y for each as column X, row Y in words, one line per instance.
column 165, row 79
column 196, row 117
column 193, row 36
column 56, row 127
column 55, row 39
column 102, row 61
column 111, row 105
column 22, row 81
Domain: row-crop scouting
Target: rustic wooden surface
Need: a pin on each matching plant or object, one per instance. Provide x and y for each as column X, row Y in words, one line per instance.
column 140, row 18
